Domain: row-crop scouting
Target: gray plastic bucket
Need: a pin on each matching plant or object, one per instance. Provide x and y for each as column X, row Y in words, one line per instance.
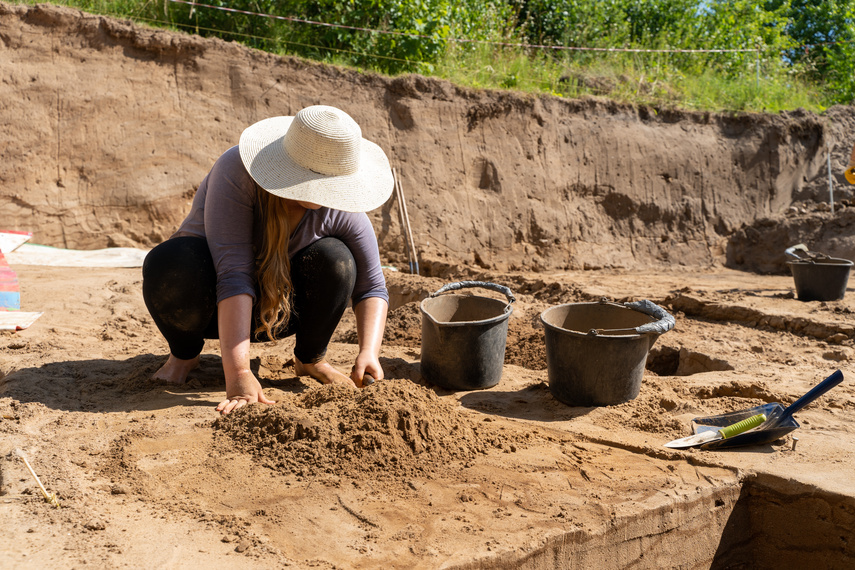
column 817, row 276
column 596, row 352
column 464, row 336
column 820, row 279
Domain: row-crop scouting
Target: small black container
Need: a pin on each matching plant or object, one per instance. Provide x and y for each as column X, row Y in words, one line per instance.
column 820, row 279
column 595, row 355
column 464, row 337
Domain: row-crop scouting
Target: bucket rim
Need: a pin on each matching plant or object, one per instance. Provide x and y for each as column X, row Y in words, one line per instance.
column 824, row 262
column 506, row 313
column 556, row 328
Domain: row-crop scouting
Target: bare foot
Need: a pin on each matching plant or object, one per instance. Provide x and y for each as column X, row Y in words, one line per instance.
column 323, row 372
column 175, row 370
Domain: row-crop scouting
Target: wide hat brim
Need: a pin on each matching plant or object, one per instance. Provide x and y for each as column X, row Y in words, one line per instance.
column 263, row 153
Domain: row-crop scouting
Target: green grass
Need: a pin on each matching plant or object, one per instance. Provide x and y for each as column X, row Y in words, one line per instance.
column 630, row 79
column 643, row 79
column 768, row 94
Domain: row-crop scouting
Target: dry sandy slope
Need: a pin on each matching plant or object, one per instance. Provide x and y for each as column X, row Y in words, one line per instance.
column 147, row 478
column 109, row 127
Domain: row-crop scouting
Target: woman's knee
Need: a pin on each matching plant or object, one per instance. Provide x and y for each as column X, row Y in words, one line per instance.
column 178, row 257
column 179, row 279
column 328, row 259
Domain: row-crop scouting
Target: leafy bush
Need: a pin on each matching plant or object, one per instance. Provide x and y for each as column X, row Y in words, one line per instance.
column 409, row 35
column 737, row 54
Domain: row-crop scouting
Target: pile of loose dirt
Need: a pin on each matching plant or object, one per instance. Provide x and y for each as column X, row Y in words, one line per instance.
column 403, row 327
column 525, row 346
column 652, row 412
column 393, row 427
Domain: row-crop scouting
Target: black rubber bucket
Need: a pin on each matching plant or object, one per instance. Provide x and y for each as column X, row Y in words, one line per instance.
column 596, row 352
column 464, row 337
column 820, row 279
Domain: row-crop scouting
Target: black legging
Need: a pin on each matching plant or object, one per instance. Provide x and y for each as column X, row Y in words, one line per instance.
column 179, row 289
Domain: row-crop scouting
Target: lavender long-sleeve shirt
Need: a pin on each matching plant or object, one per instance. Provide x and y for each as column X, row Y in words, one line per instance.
column 226, row 213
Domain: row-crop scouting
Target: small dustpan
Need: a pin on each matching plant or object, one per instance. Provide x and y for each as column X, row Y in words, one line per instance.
column 779, row 420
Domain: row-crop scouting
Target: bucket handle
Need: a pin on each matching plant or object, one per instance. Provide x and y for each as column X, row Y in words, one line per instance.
column 796, row 252
column 484, row 284
column 664, row 321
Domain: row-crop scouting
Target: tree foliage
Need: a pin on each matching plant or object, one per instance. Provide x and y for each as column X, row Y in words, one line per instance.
column 390, row 35
column 803, row 40
column 824, row 31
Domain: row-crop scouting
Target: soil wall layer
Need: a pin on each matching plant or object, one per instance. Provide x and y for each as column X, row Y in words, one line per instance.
column 109, row 127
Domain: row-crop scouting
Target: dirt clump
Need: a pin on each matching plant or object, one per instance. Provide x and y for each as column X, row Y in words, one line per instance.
column 404, row 326
column 392, row 428
column 525, row 346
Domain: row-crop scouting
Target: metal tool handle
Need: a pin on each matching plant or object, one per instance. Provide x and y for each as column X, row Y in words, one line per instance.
column 791, row 251
column 485, row 284
column 814, row 393
column 809, row 256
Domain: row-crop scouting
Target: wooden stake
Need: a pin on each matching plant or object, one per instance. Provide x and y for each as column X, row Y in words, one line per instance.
column 48, row 497
column 402, row 219
column 409, row 229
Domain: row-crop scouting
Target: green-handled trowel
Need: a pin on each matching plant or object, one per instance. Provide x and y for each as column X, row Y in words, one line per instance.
column 713, row 435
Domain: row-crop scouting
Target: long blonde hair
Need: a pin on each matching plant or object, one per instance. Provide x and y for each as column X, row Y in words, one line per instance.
column 274, row 266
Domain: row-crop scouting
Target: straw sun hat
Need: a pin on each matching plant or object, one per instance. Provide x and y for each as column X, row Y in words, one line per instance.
column 317, row 156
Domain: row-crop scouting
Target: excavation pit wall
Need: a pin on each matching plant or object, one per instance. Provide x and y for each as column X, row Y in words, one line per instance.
column 532, row 182
column 779, row 523
column 759, row 522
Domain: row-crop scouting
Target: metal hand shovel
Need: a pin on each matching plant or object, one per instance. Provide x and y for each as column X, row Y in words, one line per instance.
column 714, row 435
column 779, row 420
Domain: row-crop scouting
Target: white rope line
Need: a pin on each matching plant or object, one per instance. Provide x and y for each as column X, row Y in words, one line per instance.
column 462, row 40
column 342, row 50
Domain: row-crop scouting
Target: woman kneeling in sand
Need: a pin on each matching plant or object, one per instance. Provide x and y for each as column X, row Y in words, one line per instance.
column 275, row 243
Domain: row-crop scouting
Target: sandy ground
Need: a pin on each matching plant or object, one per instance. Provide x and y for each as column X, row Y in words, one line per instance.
column 408, row 475
column 110, row 127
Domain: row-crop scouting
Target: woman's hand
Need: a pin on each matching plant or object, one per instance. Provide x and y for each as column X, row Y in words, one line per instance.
column 242, row 387
column 366, row 363
column 370, row 324
column 242, row 390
